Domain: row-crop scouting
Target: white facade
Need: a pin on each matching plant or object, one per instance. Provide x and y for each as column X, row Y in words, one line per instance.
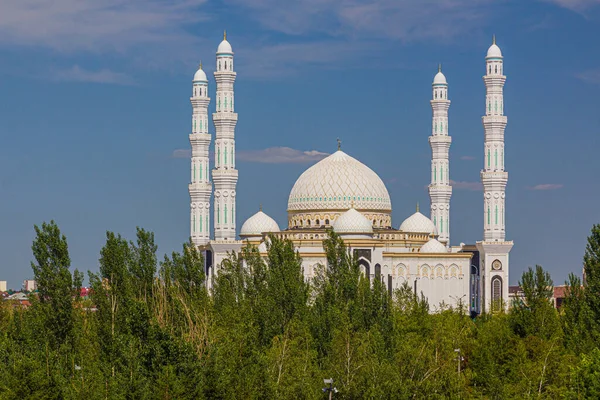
column 2, row 286
column 341, row 193
column 494, row 248
column 439, row 188
column 225, row 175
column 200, row 187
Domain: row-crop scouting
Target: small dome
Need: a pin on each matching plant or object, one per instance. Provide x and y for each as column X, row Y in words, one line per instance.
column 200, row 76
column 418, row 223
column 258, row 224
column 224, row 46
column 352, row 222
column 433, row 246
column 494, row 51
column 439, row 79
column 262, row 248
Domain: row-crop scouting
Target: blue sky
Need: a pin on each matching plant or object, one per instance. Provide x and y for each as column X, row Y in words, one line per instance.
column 95, row 112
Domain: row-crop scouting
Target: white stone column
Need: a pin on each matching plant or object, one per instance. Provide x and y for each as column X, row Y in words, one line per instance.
column 225, row 175
column 494, row 248
column 440, row 190
column 200, row 186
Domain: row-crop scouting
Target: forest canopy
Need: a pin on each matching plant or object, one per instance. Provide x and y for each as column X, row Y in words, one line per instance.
column 151, row 330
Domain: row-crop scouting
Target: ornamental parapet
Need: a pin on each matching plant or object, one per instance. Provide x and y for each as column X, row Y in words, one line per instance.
column 225, row 116
column 492, row 177
column 200, row 187
column 199, row 138
column 494, row 119
column 200, row 102
column 440, row 139
column 224, row 173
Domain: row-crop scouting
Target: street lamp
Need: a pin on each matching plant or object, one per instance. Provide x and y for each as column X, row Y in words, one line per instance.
column 459, row 359
column 329, row 388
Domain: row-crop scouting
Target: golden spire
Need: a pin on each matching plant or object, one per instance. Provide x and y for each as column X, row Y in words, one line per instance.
column 339, row 144
column 260, row 207
column 417, row 206
column 439, row 67
column 224, row 35
column 494, row 39
column 200, row 66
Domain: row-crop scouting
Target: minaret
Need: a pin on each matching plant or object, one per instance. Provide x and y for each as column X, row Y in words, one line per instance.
column 494, row 247
column 440, row 189
column 225, row 175
column 200, row 186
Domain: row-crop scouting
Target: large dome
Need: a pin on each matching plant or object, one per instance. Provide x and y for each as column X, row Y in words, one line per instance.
column 334, row 185
column 339, row 182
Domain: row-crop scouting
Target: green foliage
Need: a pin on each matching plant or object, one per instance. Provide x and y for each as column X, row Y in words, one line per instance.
column 153, row 331
column 534, row 314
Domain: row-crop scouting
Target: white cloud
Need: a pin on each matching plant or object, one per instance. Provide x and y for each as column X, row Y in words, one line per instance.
column 78, row 74
column 590, row 76
column 271, row 155
column 181, row 153
column 280, row 155
column 397, row 19
column 465, row 185
column 546, row 186
column 575, row 5
column 93, row 25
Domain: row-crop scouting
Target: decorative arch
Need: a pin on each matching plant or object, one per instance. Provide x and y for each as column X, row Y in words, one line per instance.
column 496, row 291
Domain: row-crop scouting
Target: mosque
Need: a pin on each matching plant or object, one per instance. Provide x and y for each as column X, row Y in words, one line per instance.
column 343, row 194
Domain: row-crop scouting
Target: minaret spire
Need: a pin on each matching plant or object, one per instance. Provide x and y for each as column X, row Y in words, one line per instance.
column 440, row 190
column 494, row 248
column 225, row 175
column 200, row 186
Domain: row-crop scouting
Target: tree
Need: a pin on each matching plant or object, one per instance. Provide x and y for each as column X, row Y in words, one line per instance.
column 56, row 285
column 534, row 314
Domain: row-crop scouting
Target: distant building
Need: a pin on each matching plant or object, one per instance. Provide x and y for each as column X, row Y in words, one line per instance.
column 29, row 285
column 19, row 299
column 558, row 295
column 2, row 286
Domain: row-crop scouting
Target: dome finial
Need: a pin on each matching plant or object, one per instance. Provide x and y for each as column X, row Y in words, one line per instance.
column 260, row 207
column 200, row 66
column 494, row 39
column 417, row 206
column 439, row 67
column 225, row 35
column 339, row 144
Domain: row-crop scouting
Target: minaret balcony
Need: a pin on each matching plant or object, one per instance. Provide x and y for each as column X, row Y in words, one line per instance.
column 225, row 116
column 200, row 187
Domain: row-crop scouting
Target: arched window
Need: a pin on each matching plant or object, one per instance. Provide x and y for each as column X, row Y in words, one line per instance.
column 219, row 65
column 201, row 223
column 225, row 213
column 496, row 304
column 377, row 271
column 435, row 94
column 326, row 222
column 496, row 69
column 318, row 222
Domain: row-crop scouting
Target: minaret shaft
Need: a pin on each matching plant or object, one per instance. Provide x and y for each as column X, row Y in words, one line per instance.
column 200, row 186
column 440, row 190
column 225, row 175
column 493, row 176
